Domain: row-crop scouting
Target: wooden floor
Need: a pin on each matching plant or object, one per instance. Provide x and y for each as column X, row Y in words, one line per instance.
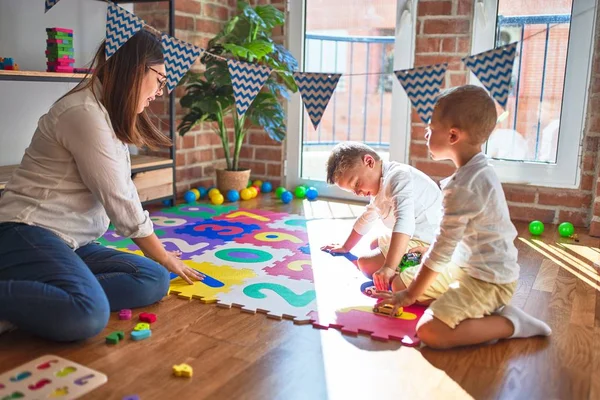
column 244, row 356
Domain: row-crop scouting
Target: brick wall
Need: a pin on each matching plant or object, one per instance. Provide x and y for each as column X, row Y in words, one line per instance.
column 444, row 35
column 199, row 152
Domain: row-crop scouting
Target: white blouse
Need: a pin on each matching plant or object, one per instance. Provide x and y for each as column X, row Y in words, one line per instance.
column 75, row 176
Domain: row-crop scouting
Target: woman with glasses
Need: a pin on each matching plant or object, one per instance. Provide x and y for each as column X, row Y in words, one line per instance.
column 75, row 177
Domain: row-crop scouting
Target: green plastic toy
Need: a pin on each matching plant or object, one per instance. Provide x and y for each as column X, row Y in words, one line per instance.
column 566, row 229
column 279, row 191
column 300, row 192
column 536, row 228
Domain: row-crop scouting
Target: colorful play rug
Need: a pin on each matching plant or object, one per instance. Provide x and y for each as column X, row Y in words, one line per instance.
column 261, row 261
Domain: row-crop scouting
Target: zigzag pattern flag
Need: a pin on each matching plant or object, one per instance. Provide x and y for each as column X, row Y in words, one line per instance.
column 247, row 80
column 422, row 86
column 316, row 90
column 179, row 57
column 121, row 25
column 50, row 4
column 494, row 68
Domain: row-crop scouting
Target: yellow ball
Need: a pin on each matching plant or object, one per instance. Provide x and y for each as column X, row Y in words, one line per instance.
column 253, row 190
column 246, row 194
column 212, row 192
column 257, row 182
column 217, row 199
column 196, row 192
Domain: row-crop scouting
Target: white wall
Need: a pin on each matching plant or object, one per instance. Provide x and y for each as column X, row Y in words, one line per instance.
column 23, row 37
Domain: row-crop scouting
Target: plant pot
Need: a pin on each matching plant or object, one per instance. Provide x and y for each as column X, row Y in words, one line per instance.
column 232, row 180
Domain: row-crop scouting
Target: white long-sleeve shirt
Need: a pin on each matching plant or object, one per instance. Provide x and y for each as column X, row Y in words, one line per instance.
column 75, row 176
column 476, row 232
column 408, row 202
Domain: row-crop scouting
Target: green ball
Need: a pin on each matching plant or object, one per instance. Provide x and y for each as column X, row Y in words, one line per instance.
column 249, row 183
column 566, row 229
column 536, row 228
column 279, row 191
column 300, row 192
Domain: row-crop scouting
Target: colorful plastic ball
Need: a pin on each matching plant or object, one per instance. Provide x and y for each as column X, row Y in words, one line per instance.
column 312, row 193
column 233, row 196
column 257, row 182
column 257, row 188
column 217, row 199
column 246, row 194
column 203, row 192
column 266, row 187
column 286, row 197
column 536, row 228
column 249, row 183
column 196, row 192
column 566, row 229
column 167, row 203
column 189, row 197
column 300, row 192
column 279, row 191
column 213, row 192
column 253, row 190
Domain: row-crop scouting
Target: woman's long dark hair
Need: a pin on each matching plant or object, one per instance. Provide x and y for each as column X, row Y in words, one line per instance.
column 121, row 78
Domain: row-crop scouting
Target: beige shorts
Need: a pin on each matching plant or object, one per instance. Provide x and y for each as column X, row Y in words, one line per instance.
column 458, row 296
column 383, row 242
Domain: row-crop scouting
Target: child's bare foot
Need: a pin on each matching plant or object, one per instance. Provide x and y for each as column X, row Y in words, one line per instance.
column 524, row 324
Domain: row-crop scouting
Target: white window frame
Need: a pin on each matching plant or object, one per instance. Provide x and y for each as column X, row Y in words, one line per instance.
column 404, row 50
column 566, row 173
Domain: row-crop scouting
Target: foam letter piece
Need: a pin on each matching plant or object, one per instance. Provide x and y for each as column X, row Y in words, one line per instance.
column 183, row 370
column 141, row 326
column 141, row 335
column 125, row 314
column 114, row 337
column 148, row 317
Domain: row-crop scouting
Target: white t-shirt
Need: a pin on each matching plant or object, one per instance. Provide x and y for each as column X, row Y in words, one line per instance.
column 408, row 202
column 75, row 175
column 476, row 232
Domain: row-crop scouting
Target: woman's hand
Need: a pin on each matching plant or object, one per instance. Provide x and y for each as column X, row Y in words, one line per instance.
column 175, row 265
column 397, row 299
column 419, row 249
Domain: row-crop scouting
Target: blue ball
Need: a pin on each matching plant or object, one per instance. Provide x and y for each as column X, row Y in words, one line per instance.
column 189, row 197
column 167, row 203
column 233, row 195
column 311, row 193
column 203, row 192
column 266, row 187
column 286, row 197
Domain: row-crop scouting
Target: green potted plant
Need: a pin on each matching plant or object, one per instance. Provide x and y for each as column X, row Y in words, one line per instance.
column 209, row 95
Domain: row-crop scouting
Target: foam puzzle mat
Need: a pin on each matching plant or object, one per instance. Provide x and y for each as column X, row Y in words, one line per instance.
column 261, row 261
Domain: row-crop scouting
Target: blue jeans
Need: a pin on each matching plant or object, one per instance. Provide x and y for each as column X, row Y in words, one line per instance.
column 50, row 290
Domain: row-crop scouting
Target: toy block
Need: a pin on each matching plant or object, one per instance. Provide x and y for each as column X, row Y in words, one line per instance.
column 141, row 326
column 183, row 370
column 63, row 30
column 9, row 67
column 141, row 335
column 59, row 64
column 148, row 317
column 114, row 337
column 63, row 42
column 125, row 314
column 9, row 61
column 60, row 69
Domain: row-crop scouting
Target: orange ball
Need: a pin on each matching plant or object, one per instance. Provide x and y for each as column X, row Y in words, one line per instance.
column 246, row 194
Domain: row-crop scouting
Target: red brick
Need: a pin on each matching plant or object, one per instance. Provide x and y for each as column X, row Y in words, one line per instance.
column 436, row 168
column 596, row 209
column 247, row 152
column 446, row 26
column 518, row 195
column 261, row 139
column 209, row 170
column 457, row 79
column 595, row 227
column 220, row 153
column 189, row 142
column 208, row 26
column 274, row 170
column 577, row 218
column 184, row 22
column 417, row 132
column 158, row 107
column 427, row 45
column 449, row 45
column 463, row 45
column 188, row 6
column 587, row 182
column 429, row 59
column 216, row 12
column 269, row 154
column 565, row 198
column 157, row 21
column 596, row 82
column 419, row 150
column 435, row 8
column 180, row 159
column 530, row 213
column 588, row 163
column 181, row 175
column 199, row 156
column 257, row 167
column 414, row 117
column 140, row 8
column 465, row 7
column 591, row 143
column 594, row 124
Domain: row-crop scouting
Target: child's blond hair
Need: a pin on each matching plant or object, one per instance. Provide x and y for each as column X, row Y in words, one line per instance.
column 345, row 156
column 468, row 108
